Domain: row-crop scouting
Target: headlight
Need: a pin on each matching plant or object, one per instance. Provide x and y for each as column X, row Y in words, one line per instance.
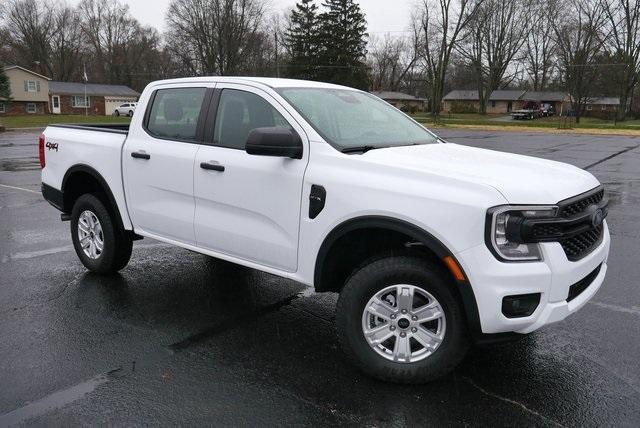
column 503, row 231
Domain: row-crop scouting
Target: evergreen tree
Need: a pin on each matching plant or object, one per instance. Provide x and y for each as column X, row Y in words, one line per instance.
column 301, row 39
column 343, row 40
column 5, row 89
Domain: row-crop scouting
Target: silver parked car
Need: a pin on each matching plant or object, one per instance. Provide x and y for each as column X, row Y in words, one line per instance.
column 126, row 109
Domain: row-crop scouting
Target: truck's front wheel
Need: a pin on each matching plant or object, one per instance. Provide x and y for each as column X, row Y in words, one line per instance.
column 399, row 320
column 100, row 244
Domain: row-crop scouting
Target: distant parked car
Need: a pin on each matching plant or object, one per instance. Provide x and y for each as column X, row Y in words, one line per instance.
column 126, row 109
column 531, row 110
column 548, row 110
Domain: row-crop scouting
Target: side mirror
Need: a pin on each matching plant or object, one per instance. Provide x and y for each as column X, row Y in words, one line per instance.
column 274, row 141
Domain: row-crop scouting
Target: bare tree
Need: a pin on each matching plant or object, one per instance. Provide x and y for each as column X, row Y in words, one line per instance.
column 494, row 37
column 109, row 28
column 143, row 59
column 539, row 49
column 214, row 36
column 440, row 24
column 31, row 24
column 390, row 59
column 579, row 40
column 623, row 19
column 65, row 44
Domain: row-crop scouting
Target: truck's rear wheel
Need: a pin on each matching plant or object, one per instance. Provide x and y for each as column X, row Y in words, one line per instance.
column 399, row 320
column 100, row 244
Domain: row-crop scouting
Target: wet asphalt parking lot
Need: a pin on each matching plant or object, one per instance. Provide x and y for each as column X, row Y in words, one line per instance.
column 180, row 339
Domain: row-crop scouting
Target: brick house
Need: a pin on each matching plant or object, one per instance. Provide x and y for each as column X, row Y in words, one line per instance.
column 467, row 101
column 602, row 107
column 29, row 92
column 461, row 101
column 402, row 101
column 503, row 101
column 101, row 100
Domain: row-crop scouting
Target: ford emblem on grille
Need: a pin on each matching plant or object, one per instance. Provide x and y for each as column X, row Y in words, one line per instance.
column 597, row 218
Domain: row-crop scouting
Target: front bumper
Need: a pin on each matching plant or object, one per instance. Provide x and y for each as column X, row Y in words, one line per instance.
column 492, row 280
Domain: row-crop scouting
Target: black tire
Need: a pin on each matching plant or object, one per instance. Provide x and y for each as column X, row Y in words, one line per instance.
column 130, row 113
column 117, row 113
column 374, row 277
column 117, row 243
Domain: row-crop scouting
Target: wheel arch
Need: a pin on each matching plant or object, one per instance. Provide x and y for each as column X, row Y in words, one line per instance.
column 82, row 178
column 396, row 226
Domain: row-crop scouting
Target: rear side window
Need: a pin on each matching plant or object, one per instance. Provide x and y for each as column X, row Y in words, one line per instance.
column 174, row 113
column 239, row 113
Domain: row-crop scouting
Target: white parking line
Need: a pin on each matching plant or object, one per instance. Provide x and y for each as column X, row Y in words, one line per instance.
column 66, row 248
column 19, row 188
column 56, row 400
column 632, row 310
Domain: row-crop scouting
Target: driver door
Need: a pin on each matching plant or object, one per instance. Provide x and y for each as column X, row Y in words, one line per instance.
column 248, row 206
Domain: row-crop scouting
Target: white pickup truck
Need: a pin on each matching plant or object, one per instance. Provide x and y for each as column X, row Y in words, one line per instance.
column 431, row 245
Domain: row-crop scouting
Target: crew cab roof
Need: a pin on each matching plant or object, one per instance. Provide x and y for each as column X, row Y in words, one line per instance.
column 271, row 82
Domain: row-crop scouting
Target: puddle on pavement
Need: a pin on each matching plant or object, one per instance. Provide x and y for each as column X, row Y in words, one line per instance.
column 20, row 164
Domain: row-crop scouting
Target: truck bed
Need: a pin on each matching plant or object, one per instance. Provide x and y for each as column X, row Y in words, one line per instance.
column 81, row 147
column 116, row 128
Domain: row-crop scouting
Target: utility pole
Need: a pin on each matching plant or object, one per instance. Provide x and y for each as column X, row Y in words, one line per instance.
column 277, row 61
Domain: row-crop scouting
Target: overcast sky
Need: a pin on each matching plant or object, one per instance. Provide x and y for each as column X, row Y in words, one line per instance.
column 382, row 15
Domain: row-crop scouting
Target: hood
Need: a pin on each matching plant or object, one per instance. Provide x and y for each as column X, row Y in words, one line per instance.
column 520, row 179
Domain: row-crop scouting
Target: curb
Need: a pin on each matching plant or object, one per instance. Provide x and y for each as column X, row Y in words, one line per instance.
column 38, row 128
column 539, row 129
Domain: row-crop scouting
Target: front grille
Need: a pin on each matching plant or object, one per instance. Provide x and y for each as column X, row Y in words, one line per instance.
column 580, row 245
column 546, row 231
column 576, row 289
column 576, row 207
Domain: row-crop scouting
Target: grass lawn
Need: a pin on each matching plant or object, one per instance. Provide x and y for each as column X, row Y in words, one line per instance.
column 554, row 122
column 41, row 121
column 459, row 116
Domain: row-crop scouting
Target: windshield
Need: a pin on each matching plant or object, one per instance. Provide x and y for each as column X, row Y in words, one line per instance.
column 351, row 119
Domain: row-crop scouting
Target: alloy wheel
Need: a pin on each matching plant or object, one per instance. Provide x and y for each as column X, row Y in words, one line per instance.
column 404, row 323
column 90, row 234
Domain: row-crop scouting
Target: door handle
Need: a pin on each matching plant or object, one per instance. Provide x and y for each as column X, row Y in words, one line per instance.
column 212, row 166
column 140, row 155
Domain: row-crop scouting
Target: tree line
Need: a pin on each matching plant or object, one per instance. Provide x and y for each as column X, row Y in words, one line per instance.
column 587, row 48
column 203, row 37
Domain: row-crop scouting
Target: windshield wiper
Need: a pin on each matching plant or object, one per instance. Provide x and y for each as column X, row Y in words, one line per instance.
column 359, row 149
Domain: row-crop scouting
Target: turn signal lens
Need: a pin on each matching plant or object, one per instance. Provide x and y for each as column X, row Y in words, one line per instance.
column 454, row 268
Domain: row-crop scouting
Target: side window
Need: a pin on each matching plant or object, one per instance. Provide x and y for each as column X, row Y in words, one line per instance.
column 174, row 113
column 239, row 113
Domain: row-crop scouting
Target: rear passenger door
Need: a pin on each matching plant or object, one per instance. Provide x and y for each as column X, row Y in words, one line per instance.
column 249, row 206
column 158, row 163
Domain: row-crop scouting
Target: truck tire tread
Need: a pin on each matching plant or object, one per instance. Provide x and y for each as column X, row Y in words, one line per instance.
column 118, row 244
column 363, row 283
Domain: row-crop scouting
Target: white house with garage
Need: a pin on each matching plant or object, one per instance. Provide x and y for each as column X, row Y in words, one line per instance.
column 92, row 98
